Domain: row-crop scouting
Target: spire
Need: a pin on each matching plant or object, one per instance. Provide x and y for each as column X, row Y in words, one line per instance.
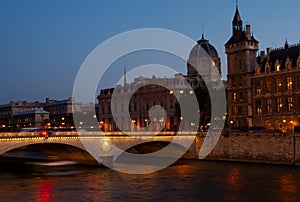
column 124, row 75
column 286, row 44
column 237, row 23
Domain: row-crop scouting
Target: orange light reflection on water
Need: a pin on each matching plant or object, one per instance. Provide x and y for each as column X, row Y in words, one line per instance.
column 287, row 187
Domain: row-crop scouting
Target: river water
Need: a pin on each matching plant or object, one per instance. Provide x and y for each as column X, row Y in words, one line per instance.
column 184, row 181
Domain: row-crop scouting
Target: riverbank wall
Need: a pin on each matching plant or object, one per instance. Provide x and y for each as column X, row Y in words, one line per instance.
column 256, row 147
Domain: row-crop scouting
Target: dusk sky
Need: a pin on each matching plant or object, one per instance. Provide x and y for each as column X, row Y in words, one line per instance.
column 44, row 42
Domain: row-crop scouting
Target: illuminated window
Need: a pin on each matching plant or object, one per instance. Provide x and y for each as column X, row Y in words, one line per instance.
column 289, row 83
column 268, row 86
column 258, row 107
column 258, row 88
column 279, row 104
column 290, row 104
column 234, row 111
column 278, row 85
column 277, row 68
column 234, row 97
column 269, row 105
column 258, row 91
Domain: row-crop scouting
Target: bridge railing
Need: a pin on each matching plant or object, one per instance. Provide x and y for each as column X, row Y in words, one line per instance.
column 96, row 133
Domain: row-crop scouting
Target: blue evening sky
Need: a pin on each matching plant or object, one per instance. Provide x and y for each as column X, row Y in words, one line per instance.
column 44, row 42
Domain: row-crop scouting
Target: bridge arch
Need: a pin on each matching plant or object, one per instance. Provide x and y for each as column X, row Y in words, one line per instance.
column 78, row 154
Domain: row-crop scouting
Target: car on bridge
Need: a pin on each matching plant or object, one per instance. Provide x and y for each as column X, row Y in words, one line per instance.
column 44, row 132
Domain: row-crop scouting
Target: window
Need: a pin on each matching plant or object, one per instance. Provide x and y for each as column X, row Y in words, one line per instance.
column 102, row 109
column 171, row 104
column 241, row 96
column 161, row 103
column 258, row 88
column 268, row 86
column 233, row 83
column 240, row 110
column 289, row 81
column 258, row 107
column 269, row 105
column 279, row 104
column 135, row 107
column 278, row 85
column 240, row 64
column 277, row 68
column 234, row 97
column 234, row 111
column 108, row 108
column 290, row 104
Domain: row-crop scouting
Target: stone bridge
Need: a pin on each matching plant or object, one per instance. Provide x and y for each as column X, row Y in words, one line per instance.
column 121, row 143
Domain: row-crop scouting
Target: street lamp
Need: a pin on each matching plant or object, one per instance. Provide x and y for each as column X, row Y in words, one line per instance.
column 291, row 122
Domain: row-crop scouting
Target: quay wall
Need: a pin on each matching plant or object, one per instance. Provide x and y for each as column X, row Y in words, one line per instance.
column 258, row 147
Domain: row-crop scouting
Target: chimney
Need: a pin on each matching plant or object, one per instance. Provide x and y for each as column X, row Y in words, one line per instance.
column 268, row 51
column 262, row 55
column 248, row 34
column 47, row 100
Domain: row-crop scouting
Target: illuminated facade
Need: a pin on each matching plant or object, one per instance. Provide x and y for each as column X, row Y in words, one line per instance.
column 144, row 97
column 265, row 90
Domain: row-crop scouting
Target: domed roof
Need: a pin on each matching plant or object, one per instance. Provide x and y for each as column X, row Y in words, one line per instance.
column 203, row 43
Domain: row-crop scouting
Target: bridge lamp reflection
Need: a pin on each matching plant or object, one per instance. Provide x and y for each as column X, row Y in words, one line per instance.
column 106, row 147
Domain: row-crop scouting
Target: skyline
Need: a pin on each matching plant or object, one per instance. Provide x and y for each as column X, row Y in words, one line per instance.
column 43, row 44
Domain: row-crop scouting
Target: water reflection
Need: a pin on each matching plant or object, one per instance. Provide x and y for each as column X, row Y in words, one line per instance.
column 186, row 181
column 288, row 189
column 45, row 190
column 234, row 182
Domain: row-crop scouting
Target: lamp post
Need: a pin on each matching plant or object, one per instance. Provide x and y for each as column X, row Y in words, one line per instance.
column 284, row 121
column 291, row 122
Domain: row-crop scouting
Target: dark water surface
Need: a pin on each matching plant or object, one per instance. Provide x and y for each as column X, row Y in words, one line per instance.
column 185, row 181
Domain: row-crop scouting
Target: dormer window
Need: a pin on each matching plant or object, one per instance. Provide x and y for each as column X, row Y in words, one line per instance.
column 288, row 64
column 277, row 68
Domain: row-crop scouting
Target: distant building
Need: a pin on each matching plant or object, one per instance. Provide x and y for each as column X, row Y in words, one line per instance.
column 60, row 112
column 8, row 111
column 51, row 114
column 37, row 118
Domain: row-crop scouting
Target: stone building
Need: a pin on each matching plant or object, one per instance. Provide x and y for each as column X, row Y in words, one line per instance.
column 37, row 118
column 241, row 51
column 148, row 92
column 262, row 90
column 276, row 89
column 60, row 112
column 8, row 111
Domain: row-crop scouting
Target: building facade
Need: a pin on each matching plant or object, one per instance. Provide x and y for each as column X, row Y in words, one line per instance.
column 262, row 90
column 148, row 92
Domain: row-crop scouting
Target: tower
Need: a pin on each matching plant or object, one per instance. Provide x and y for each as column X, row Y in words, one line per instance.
column 241, row 51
